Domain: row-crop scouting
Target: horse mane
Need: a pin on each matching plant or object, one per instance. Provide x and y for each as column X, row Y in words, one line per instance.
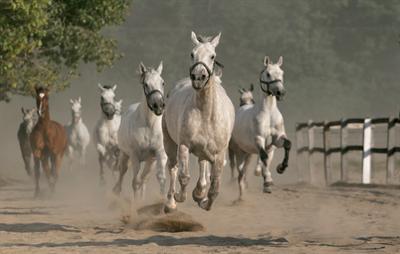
column 107, row 87
column 204, row 39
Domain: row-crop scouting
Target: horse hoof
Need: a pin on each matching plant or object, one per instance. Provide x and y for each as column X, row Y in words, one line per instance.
column 168, row 209
column 281, row 168
column 198, row 197
column 180, row 197
column 205, row 204
column 267, row 187
column 257, row 172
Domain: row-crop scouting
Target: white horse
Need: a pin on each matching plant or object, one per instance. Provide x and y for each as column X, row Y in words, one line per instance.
column 106, row 130
column 25, row 128
column 140, row 134
column 198, row 119
column 259, row 127
column 77, row 134
column 246, row 98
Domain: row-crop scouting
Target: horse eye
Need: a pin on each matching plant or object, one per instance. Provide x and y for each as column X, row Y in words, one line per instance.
column 191, row 55
column 268, row 75
column 163, row 83
column 212, row 57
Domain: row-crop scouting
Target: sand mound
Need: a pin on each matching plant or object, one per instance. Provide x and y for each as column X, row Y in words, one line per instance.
column 152, row 217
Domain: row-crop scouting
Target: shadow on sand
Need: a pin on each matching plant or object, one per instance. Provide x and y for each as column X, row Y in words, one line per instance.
column 36, row 227
column 210, row 241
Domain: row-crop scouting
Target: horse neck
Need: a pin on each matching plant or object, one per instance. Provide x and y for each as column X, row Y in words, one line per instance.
column 268, row 103
column 45, row 118
column 206, row 99
column 76, row 119
column 146, row 113
column 28, row 125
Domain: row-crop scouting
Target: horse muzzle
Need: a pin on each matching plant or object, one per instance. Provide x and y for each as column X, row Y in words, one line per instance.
column 199, row 75
column 108, row 110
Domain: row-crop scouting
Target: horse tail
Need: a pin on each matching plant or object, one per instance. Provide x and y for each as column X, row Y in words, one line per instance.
column 231, row 154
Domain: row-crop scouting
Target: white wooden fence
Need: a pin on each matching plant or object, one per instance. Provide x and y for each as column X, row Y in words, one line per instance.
column 367, row 148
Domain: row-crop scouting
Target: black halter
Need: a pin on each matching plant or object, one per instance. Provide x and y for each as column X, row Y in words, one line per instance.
column 268, row 83
column 209, row 71
column 148, row 94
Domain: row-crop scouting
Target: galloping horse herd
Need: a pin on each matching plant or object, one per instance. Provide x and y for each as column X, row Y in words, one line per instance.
column 196, row 116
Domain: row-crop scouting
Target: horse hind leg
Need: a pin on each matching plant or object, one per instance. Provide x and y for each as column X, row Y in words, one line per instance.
column 243, row 162
column 199, row 192
column 123, row 161
column 160, row 165
column 284, row 142
column 56, row 161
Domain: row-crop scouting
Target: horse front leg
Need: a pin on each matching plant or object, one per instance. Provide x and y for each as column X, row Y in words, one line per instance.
column 136, row 183
column 101, row 172
column 123, row 161
column 27, row 157
column 46, row 168
column 37, row 175
column 266, row 173
column 243, row 161
column 199, row 192
column 184, row 176
column 148, row 167
column 284, row 142
column 216, row 171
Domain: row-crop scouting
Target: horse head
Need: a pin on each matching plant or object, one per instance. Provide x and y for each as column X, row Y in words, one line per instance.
column 153, row 88
column 42, row 100
column 203, row 60
column 76, row 109
column 107, row 102
column 246, row 95
column 271, row 78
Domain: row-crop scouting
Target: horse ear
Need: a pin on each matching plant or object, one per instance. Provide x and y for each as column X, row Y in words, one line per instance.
column 215, row 40
column 79, row 100
column 71, row 101
column 101, row 87
column 23, row 111
column 280, row 61
column 251, row 87
column 194, row 38
column 266, row 61
column 142, row 68
column 241, row 90
column 114, row 87
column 160, row 68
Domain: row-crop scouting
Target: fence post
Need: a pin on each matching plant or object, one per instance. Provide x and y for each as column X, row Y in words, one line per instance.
column 327, row 160
column 391, row 153
column 343, row 150
column 299, row 143
column 310, row 149
column 367, row 144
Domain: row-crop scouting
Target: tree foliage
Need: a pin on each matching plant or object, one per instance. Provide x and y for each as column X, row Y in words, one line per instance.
column 42, row 42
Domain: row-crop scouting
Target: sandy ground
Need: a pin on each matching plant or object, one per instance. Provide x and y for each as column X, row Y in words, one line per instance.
column 82, row 217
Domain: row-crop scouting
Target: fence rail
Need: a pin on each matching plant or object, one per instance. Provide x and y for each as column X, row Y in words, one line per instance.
column 344, row 148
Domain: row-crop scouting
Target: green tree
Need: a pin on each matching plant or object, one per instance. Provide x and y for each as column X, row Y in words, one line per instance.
column 42, row 42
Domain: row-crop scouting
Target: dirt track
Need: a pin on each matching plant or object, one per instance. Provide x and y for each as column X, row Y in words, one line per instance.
column 294, row 218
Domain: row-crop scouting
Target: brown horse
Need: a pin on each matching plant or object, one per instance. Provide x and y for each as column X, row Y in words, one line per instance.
column 48, row 141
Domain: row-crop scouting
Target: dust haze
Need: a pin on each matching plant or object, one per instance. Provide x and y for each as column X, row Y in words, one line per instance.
column 340, row 60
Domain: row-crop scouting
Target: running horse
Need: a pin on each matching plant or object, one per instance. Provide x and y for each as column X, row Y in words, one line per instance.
column 48, row 141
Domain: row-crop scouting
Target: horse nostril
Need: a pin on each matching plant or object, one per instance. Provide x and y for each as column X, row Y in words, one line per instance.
column 278, row 93
column 192, row 77
column 203, row 77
